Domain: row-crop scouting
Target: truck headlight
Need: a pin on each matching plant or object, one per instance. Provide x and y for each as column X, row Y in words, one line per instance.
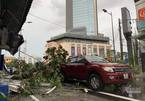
column 108, row 69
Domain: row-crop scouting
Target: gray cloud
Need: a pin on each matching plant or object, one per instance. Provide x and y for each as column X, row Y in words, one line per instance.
column 59, row 6
column 109, row 4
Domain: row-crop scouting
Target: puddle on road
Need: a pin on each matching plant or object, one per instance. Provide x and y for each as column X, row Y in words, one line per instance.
column 137, row 88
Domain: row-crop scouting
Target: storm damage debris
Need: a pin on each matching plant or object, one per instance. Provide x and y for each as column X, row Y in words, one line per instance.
column 50, row 90
column 15, row 86
column 34, row 98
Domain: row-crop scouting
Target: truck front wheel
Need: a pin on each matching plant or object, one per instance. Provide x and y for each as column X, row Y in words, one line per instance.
column 95, row 82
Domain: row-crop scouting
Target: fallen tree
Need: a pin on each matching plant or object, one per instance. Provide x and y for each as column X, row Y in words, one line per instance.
column 48, row 71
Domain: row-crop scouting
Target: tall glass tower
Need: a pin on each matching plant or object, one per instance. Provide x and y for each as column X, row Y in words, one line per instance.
column 82, row 13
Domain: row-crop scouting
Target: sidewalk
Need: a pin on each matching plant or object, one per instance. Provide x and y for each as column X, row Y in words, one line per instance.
column 138, row 86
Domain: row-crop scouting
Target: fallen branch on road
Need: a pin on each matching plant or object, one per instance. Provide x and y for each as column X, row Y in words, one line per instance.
column 34, row 98
column 14, row 88
column 45, row 84
column 50, row 90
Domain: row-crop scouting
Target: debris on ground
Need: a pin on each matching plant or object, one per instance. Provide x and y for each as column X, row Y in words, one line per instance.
column 34, row 98
column 50, row 90
column 15, row 86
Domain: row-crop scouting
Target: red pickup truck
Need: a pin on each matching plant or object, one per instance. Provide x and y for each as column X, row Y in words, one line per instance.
column 96, row 71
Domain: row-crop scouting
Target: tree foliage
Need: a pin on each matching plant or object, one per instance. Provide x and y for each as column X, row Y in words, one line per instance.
column 55, row 57
column 45, row 72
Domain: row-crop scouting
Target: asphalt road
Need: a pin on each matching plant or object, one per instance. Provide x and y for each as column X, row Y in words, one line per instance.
column 63, row 94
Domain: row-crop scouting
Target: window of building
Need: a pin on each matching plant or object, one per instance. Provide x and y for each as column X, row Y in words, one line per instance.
column 78, row 50
column 108, row 51
column 89, row 50
column 68, row 40
column 84, row 50
column 83, row 14
column 72, row 50
column 95, row 50
column 101, row 52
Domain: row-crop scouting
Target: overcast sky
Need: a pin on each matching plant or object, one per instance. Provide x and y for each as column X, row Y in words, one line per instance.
column 48, row 20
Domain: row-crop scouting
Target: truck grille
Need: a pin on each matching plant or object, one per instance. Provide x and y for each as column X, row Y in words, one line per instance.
column 121, row 69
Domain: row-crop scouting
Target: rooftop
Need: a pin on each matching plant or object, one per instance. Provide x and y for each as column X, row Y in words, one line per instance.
column 71, row 35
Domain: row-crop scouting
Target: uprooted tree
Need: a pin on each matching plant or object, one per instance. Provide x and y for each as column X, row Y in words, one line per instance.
column 55, row 57
column 48, row 71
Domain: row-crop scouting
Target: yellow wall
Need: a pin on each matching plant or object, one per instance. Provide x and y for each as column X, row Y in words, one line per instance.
column 67, row 43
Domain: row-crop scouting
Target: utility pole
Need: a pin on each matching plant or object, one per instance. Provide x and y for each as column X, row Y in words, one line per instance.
column 121, row 43
column 127, row 31
column 19, row 50
column 114, row 50
column 136, row 52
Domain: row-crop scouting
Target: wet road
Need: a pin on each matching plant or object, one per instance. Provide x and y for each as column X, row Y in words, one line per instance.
column 64, row 94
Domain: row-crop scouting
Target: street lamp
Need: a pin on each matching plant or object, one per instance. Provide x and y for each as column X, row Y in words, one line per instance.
column 110, row 13
column 19, row 50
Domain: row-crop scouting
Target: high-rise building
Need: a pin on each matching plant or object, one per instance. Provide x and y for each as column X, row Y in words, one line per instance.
column 82, row 13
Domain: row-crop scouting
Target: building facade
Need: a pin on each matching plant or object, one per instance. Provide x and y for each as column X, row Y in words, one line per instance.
column 30, row 59
column 77, row 45
column 140, row 9
column 82, row 13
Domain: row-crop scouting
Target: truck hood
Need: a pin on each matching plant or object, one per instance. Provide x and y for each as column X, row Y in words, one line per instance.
column 110, row 64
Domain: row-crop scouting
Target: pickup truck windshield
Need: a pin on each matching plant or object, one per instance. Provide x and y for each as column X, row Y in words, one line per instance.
column 97, row 59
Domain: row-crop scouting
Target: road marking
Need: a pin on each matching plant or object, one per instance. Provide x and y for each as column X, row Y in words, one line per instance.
column 118, row 96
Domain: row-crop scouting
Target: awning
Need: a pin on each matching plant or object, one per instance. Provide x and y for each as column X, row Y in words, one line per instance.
column 14, row 13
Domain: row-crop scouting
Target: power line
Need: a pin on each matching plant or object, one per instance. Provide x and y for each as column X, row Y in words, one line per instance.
column 46, row 20
column 29, row 55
